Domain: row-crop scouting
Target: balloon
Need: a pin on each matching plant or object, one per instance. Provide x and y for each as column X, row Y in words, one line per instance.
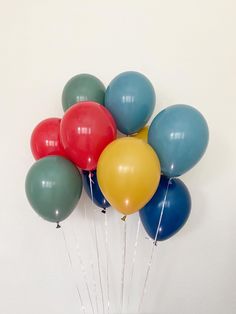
column 53, row 187
column 86, row 129
column 130, row 97
column 177, row 205
column 82, row 87
column 142, row 134
column 179, row 135
column 97, row 196
column 128, row 174
column 45, row 139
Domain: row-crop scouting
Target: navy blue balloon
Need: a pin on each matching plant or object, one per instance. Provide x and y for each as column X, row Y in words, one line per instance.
column 130, row 97
column 176, row 211
column 98, row 197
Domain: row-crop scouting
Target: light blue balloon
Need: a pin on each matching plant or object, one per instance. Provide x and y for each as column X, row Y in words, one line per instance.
column 179, row 134
column 130, row 97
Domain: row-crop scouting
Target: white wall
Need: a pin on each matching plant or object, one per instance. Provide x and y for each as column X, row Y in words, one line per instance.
column 187, row 48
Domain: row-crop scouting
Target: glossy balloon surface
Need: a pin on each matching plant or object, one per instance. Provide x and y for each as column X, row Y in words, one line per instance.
column 53, row 187
column 83, row 87
column 130, row 97
column 128, row 174
column 45, row 139
column 179, row 134
column 86, row 129
column 177, row 205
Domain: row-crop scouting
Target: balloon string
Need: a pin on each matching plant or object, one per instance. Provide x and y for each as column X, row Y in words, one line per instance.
column 107, row 258
column 96, row 243
column 98, row 262
column 152, row 250
column 72, row 270
column 92, row 264
column 83, row 270
column 123, row 268
column 134, row 260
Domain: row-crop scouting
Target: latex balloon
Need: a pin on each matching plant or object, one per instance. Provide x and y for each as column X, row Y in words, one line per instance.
column 128, row 174
column 96, row 196
column 177, row 206
column 45, row 139
column 179, row 134
column 142, row 134
column 53, row 187
column 130, row 97
column 86, row 129
column 83, row 87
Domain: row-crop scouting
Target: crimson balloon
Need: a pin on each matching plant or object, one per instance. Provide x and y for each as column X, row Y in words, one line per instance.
column 86, row 129
column 45, row 139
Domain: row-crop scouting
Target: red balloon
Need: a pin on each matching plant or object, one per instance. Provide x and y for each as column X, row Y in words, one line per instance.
column 45, row 139
column 86, row 129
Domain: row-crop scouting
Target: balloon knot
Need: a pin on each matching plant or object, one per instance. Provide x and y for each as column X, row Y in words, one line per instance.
column 104, row 211
column 124, row 218
column 58, row 226
column 155, row 243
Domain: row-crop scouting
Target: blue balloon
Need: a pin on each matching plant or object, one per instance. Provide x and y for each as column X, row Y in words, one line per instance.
column 130, row 97
column 98, row 197
column 177, row 207
column 179, row 135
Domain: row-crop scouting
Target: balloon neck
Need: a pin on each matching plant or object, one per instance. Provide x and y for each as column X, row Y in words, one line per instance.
column 124, row 218
column 58, row 225
column 155, row 243
column 103, row 211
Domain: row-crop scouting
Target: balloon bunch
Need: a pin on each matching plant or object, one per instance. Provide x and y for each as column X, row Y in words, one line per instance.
column 133, row 173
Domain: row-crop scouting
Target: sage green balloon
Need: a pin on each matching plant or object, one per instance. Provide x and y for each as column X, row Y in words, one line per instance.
column 53, row 187
column 82, row 87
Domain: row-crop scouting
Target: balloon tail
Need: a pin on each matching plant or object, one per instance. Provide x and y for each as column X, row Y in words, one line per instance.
column 73, row 272
column 124, row 218
column 123, row 267
column 103, row 211
column 152, row 250
column 96, row 243
column 58, row 225
column 107, row 258
column 134, row 260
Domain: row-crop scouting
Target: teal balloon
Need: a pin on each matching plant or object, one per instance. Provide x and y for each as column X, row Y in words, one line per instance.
column 130, row 97
column 179, row 134
column 82, row 87
column 53, row 187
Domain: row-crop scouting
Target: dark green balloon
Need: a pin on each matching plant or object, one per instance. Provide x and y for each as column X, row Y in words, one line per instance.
column 82, row 87
column 53, row 187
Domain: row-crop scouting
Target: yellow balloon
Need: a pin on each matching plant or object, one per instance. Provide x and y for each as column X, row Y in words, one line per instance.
column 142, row 134
column 128, row 174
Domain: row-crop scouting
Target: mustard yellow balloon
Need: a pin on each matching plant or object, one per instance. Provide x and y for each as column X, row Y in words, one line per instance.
column 142, row 134
column 128, row 174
